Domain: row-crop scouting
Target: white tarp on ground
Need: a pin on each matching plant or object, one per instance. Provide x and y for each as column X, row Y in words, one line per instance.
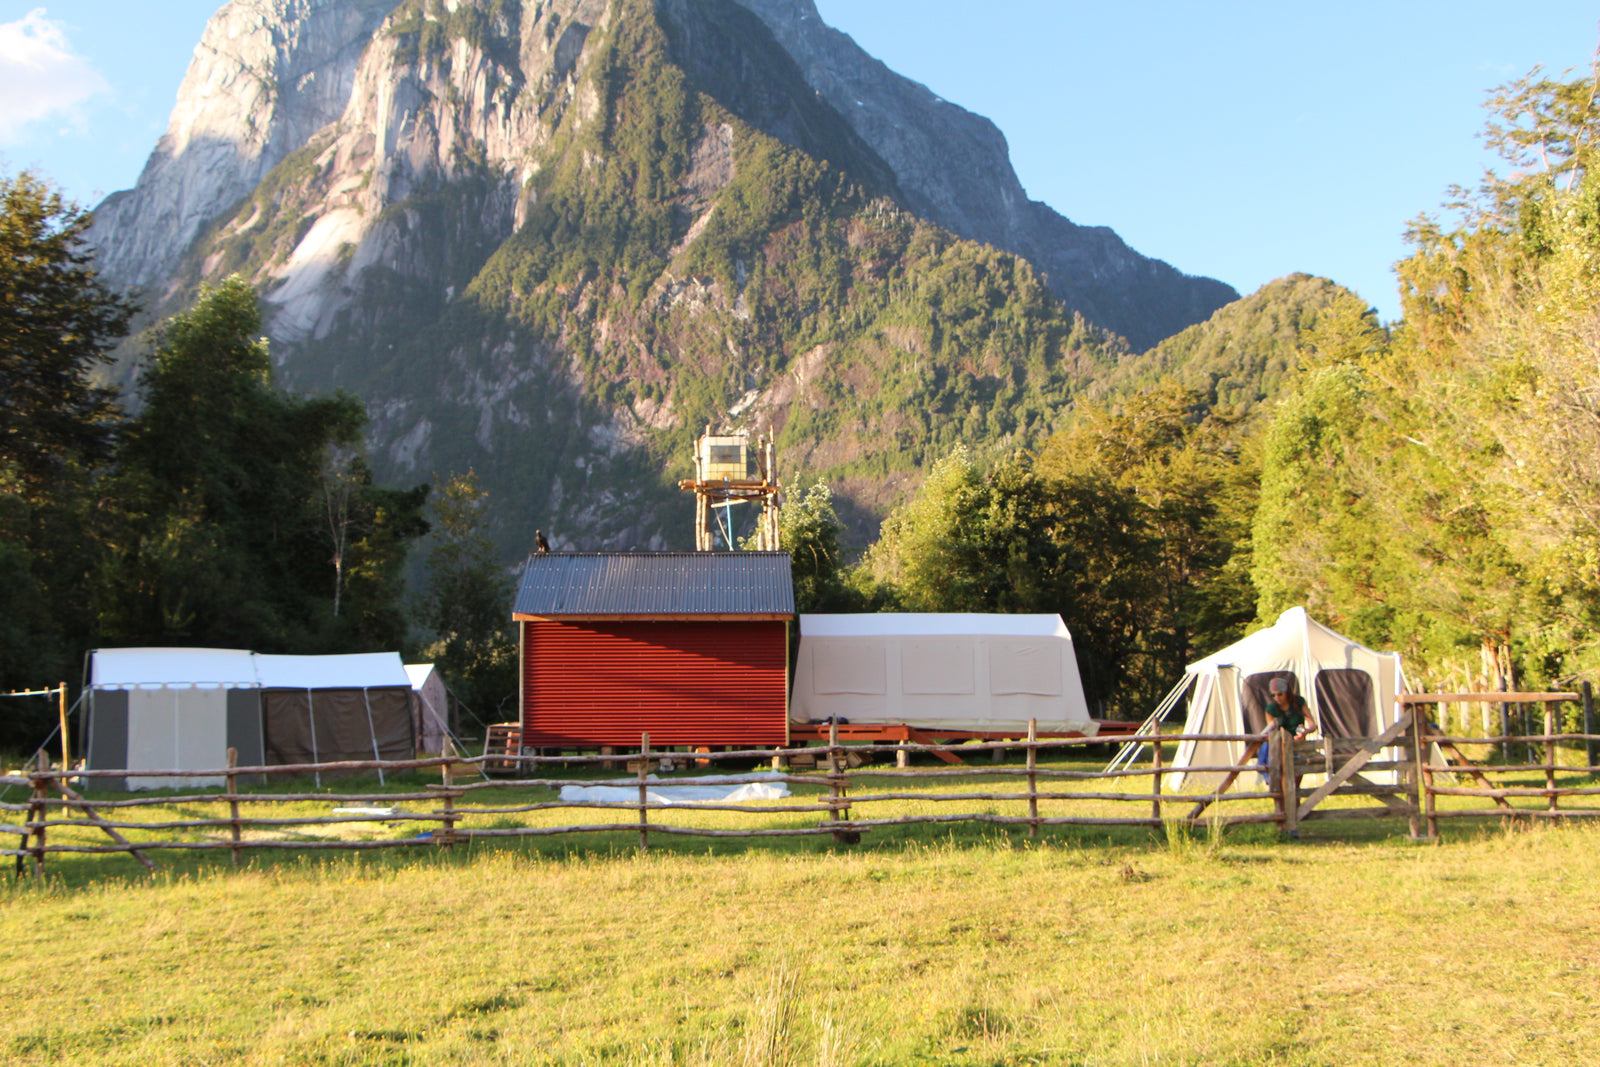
column 962, row 672
column 690, row 791
column 1349, row 688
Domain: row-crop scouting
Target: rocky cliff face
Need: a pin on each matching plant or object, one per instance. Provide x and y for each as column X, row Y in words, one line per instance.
column 549, row 239
column 266, row 76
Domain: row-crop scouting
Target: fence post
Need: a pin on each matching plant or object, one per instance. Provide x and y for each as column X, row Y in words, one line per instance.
column 838, row 804
column 1033, row 778
column 447, row 829
column 1289, row 784
column 1155, row 775
column 1430, row 801
column 38, row 811
column 1550, row 719
column 1418, row 756
column 644, row 789
column 233, row 801
column 1505, row 726
column 66, row 747
column 1588, row 726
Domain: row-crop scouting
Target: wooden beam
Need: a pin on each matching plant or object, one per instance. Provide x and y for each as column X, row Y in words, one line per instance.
column 1244, row 766
column 1355, row 763
column 1482, row 698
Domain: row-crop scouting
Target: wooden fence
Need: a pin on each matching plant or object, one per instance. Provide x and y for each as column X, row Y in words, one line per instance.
column 848, row 808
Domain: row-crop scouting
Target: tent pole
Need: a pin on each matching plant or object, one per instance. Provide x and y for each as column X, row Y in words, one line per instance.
column 372, row 733
column 1130, row 749
column 311, row 720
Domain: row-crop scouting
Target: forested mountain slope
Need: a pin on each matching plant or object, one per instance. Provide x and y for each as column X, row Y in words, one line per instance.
column 549, row 241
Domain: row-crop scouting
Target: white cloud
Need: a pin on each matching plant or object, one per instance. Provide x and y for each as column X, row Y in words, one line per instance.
column 40, row 77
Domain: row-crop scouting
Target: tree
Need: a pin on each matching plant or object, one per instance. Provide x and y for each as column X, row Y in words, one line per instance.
column 467, row 601
column 1184, row 475
column 223, row 534
column 58, row 324
column 810, row 533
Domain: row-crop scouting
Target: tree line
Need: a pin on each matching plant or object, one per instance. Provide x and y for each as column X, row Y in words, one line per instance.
column 223, row 512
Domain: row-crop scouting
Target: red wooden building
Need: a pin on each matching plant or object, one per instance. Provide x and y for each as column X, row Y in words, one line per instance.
column 688, row 647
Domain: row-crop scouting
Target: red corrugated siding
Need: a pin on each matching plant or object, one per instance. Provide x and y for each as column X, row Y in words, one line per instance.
column 683, row 683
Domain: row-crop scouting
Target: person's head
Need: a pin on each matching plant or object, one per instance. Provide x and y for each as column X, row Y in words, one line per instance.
column 1279, row 688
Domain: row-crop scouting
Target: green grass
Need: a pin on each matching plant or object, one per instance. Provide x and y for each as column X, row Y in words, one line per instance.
column 946, row 945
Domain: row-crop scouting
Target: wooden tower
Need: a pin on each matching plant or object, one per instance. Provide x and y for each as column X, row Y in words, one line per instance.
column 728, row 471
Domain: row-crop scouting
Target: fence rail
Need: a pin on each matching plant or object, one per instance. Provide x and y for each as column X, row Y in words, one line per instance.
column 848, row 808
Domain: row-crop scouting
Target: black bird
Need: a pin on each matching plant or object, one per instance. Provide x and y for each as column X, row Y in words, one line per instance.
column 540, row 542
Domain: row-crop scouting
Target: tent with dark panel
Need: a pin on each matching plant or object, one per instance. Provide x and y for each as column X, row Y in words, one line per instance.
column 167, row 709
column 1350, row 689
column 184, row 708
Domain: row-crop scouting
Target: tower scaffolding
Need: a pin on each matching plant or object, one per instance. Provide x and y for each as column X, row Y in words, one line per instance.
column 728, row 471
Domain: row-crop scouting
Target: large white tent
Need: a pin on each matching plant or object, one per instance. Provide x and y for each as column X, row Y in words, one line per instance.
column 181, row 708
column 1350, row 689
column 959, row 672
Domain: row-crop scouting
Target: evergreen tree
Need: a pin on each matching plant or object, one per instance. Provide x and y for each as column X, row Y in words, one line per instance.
column 467, row 603
column 223, row 534
column 57, row 326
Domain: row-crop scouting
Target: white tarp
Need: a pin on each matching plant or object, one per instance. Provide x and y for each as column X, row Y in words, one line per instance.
column 203, row 668
column 173, row 728
column 690, row 791
column 154, row 668
column 1349, row 688
column 361, row 670
column 961, row 672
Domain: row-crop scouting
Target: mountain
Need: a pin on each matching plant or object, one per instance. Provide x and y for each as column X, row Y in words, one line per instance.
column 1249, row 351
column 551, row 240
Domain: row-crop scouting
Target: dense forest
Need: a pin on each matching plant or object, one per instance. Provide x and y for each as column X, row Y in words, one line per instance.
column 1432, row 486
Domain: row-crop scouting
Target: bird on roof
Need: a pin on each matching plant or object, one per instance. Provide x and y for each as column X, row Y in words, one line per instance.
column 540, row 542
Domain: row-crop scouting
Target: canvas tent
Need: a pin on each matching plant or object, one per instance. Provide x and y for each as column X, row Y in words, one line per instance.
column 956, row 672
column 1350, row 689
column 170, row 709
column 430, row 707
column 180, row 708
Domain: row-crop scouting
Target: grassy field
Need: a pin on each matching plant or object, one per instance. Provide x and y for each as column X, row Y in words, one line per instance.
column 956, row 945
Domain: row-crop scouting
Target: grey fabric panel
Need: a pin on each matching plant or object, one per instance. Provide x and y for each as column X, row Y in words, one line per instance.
column 108, row 737
column 244, row 732
column 1349, row 708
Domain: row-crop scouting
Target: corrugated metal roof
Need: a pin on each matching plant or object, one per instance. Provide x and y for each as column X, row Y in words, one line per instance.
column 656, row 583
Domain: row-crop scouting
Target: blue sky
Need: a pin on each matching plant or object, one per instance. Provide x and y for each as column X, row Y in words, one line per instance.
column 1243, row 140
